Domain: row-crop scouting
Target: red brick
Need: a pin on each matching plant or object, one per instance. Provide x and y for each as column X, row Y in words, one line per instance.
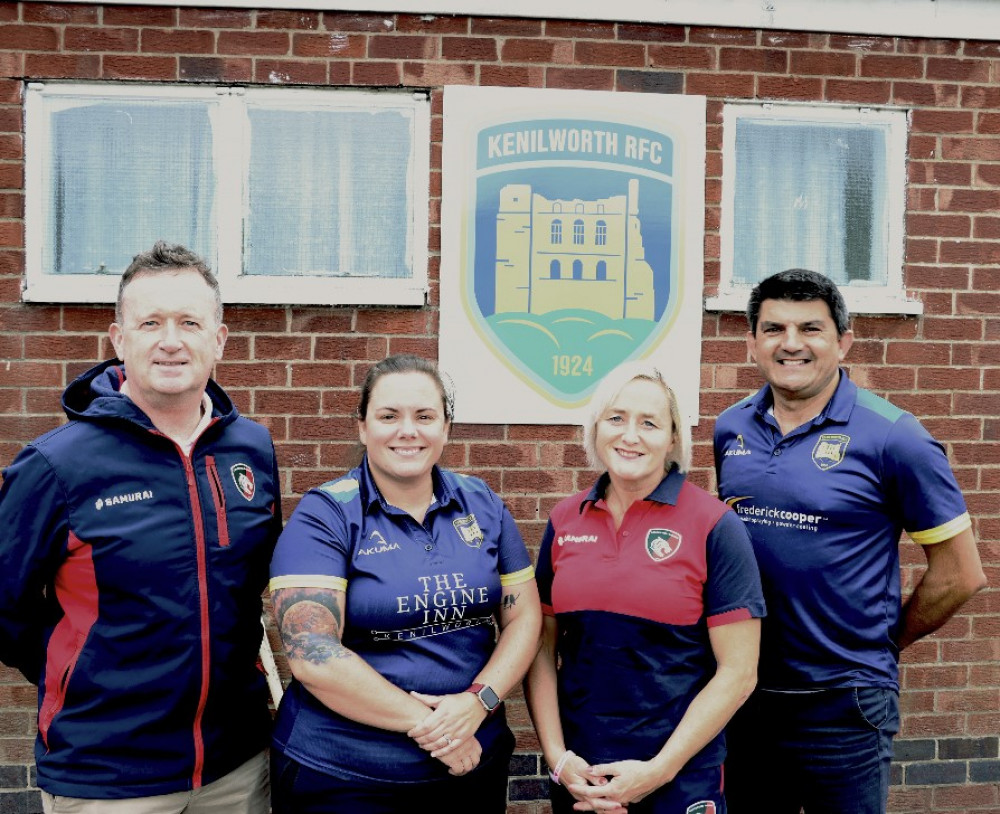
column 286, row 402
column 862, row 43
column 178, row 41
column 979, row 96
column 573, row 29
column 99, row 40
column 270, row 18
column 140, row 15
column 939, row 225
column 393, row 46
column 512, row 76
column 923, row 94
column 28, row 38
column 718, row 36
column 215, row 18
column 726, row 86
column 883, row 66
column 331, row 46
column 469, row 49
column 253, row 43
column 790, row 39
column 753, row 60
column 355, row 348
column 790, row 87
column 432, row 24
column 376, row 73
column 940, row 173
column 812, row 63
column 375, row 23
column 503, row 27
column 958, row 70
column 537, row 50
column 586, row 52
column 62, row 66
column 434, row 73
column 58, row 13
column 133, row 67
column 942, row 121
column 289, row 71
column 682, row 56
column 215, row 69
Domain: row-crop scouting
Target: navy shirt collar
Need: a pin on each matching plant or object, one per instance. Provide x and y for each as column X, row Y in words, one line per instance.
column 372, row 497
column 666, row 491
column 838, row 408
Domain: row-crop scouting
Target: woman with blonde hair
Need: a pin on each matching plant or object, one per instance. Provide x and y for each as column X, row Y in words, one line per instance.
column 652, row 603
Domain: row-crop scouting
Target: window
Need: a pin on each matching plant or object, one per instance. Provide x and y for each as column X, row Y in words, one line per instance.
column 292, row 195
column 556, row 232
column 578, row 232
column 819, row 188
column 601, row 233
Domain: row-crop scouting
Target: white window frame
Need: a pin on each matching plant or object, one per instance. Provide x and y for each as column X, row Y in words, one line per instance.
column 231, row 155
column 861, row 297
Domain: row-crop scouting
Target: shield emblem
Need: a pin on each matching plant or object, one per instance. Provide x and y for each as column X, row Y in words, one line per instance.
column 662, row 544
column 243, row 478
column 829, row 450
column 572, row 265
column 468, row 529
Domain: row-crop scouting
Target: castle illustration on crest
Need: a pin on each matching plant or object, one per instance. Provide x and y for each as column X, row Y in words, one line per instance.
column 559, row 254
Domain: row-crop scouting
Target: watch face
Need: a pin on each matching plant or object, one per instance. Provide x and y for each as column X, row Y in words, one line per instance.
column 489, row 698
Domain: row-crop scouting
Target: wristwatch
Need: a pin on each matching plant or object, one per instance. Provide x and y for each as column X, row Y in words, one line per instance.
column 489, row 699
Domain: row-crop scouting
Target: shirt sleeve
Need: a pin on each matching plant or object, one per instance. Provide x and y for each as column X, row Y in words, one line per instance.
column 35, row 522
column 732, row 591
column 544, row 573
column 514, row 561
column 921, row 485
column 313, row 550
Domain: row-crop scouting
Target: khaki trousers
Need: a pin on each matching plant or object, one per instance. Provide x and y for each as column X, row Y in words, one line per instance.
column 245, row 790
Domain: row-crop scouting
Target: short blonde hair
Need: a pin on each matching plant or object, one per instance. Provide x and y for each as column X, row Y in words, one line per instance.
column 607, row 391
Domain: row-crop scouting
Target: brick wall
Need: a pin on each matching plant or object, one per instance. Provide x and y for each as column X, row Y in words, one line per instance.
column 295, row 369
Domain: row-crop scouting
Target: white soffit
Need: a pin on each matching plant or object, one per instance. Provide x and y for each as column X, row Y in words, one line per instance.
column 936, row 19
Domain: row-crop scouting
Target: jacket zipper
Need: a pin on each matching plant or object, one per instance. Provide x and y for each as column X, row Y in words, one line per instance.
column 220, row 500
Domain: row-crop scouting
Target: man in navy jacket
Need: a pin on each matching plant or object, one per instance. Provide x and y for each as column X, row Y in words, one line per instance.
column 134, row 548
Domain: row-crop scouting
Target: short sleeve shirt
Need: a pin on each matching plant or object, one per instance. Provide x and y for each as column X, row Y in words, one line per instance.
column 825, row 506
column 633, row 609
column 420, row 605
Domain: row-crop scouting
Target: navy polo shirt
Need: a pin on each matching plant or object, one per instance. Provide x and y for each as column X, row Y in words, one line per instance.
column 634, row 607
column 825, row 506
column 420, row 606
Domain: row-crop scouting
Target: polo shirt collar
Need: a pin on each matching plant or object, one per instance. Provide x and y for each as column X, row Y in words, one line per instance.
column 838, row 408
column 667, row 491
column 371, row 497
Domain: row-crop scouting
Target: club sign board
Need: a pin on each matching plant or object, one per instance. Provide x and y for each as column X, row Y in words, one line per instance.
column 572, row 241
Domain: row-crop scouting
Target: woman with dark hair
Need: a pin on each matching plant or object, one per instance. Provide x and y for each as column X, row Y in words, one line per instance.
column 652, row 601
column 408, row 608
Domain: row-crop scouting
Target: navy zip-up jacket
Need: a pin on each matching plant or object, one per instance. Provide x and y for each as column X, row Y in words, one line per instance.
column 130, row 592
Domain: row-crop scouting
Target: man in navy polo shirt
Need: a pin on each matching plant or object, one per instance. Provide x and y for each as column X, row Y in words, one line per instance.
column 827, row 476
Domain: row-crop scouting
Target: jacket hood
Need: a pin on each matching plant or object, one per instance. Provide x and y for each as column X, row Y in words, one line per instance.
column 96, row 395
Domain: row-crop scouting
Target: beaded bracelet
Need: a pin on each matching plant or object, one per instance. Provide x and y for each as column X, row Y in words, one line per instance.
column 554, row 774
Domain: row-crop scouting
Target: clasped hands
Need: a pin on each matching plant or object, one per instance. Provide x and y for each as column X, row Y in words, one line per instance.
column 448, row 731
column 607, row 787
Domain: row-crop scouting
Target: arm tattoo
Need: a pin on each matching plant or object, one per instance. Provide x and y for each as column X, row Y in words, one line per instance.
column 310, row 623
column 510, row 600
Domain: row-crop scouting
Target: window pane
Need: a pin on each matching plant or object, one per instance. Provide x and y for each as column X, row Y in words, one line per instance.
column 810, row 195
column 328, row 193
column 123, row 174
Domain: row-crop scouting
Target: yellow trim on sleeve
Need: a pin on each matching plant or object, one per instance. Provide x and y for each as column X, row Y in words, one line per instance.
column 942, row 533
column 307, row 581
column 518, row 577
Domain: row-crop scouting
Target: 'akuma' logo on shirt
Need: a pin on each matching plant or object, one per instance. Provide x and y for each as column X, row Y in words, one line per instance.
column 576, row 538
column 662, row 544
column 378, row 545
